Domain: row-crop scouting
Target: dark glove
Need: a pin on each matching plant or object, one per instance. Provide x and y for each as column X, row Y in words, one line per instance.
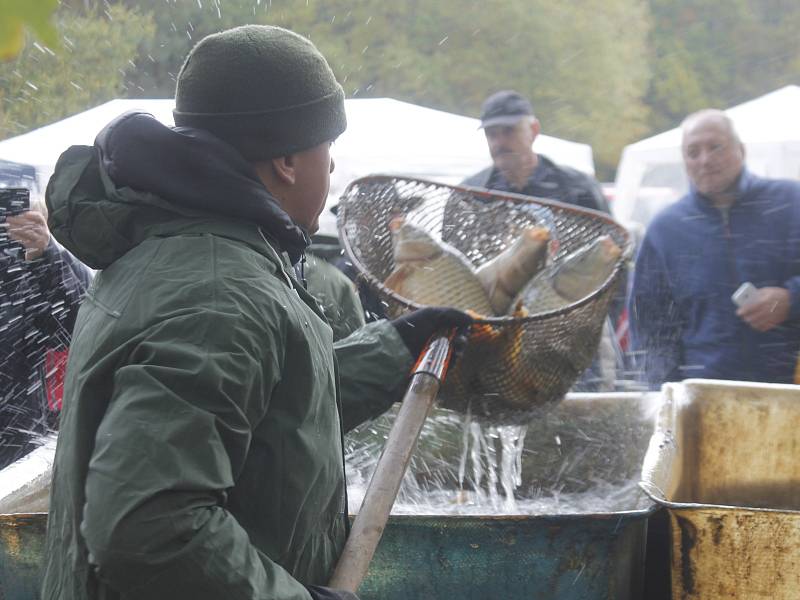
column 416, row 328
column 325, row 593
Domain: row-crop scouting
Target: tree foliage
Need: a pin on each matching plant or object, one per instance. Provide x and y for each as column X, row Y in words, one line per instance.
column 605, row 72
column 43, row 85
column 578, row 62
column 17, row 15
column 703, row 56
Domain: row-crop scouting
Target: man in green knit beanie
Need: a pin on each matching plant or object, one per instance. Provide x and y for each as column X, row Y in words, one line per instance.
column 226, row 88
column 200, row 447
column 265, row 90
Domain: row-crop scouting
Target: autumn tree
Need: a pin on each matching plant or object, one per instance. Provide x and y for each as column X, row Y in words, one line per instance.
column 582, row 64
column 19, row 16
column 704, row 56
column 43, row 85
column 605, row 72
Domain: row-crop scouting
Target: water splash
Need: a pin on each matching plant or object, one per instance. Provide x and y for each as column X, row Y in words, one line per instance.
column 580, row 457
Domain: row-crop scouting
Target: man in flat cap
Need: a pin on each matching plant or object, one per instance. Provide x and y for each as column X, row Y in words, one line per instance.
column 510, row 126
column 200, row 452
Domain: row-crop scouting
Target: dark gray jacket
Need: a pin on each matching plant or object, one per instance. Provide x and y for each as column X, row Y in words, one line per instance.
column 39, row 301
column 549, row 181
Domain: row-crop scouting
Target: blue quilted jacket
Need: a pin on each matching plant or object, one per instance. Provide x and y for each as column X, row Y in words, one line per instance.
column 691, row 261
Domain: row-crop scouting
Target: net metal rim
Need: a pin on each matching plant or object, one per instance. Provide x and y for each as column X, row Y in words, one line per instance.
column 520, row 199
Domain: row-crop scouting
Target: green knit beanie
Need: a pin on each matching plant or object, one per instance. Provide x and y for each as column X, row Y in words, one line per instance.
column 265, row 90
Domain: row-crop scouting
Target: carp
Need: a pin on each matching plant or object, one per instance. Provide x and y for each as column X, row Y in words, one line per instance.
column 506, row 274
column 495, row 377
column 585, row 271
column 433, row 273
column 576, row 276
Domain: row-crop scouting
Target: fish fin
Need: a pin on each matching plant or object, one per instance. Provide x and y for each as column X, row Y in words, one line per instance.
column 396, row 279
column 610, row 248
column 539, row 234
column 396, row 223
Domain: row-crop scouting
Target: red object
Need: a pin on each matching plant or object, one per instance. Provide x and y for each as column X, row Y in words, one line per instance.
column 623, row 333
column 55, row 366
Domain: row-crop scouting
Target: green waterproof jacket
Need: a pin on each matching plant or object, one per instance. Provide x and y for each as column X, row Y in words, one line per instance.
column 335, row 293
column 200, row 446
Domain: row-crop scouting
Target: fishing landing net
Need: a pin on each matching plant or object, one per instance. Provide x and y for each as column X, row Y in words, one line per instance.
column 512, row 365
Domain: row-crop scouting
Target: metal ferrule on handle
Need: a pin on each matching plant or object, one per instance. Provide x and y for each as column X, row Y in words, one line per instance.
column 435, row 357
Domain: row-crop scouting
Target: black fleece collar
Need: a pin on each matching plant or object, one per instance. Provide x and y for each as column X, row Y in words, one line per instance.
column 194, row 169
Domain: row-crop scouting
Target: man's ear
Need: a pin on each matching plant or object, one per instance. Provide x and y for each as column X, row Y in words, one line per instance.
column 284, row 169
column 536, row 128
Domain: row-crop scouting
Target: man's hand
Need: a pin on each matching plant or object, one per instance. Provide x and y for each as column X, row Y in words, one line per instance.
column 30, row 230
column 768, row 310
column 416, row 327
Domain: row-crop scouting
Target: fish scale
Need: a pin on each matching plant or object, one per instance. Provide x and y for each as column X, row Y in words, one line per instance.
column 441, row 277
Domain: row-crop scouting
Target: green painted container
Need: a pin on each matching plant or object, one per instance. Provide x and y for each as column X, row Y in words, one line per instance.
column 552, row 557
column 555, row 558
column 21, row 549
column 566, row 557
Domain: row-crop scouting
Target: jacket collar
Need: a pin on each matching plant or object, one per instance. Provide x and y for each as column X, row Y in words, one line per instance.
column 744, row 187
column 191, row 169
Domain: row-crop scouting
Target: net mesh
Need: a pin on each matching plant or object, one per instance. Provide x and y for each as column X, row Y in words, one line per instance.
column 512, row 364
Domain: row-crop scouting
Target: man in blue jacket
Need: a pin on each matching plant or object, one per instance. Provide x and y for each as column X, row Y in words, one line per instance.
column 731, row 228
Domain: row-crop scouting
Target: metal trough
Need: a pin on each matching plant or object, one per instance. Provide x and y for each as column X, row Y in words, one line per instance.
column 585, row 439
column 21, row 547
column 545, row 556
column 555, row 558
column 558, row 557
column 725, row 461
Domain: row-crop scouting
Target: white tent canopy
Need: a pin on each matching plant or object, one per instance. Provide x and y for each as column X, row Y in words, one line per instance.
column 383, row 136
column 651, row 174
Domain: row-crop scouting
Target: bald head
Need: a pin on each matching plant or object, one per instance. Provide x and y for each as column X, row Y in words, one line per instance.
column 713, row 116
column 713, row 154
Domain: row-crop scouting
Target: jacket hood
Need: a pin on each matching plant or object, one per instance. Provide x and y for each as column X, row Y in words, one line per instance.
column 142, row 178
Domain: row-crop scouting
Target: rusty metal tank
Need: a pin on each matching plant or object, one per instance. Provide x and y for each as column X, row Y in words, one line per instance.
column 21, row 547
column 547, row 557
column 725, row 461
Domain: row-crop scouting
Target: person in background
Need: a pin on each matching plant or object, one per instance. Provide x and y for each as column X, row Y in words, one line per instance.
column 336, row 294
column 511, row 128
column 731, row 228
column 41, row 286
column 200, row 451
